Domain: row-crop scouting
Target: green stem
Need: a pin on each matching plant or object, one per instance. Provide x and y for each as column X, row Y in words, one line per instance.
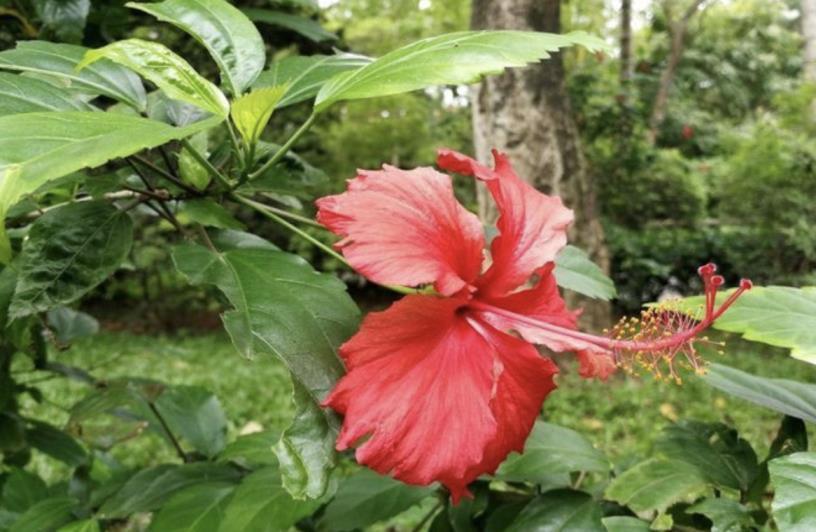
column 295, row 217
column 285, row 148
column 205, row 162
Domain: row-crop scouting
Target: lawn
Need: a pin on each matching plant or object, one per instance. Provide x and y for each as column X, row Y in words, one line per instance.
column 621, row 417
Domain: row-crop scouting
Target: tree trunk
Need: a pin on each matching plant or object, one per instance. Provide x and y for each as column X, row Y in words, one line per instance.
column 526, row 113
column 626, row 43
column 809, row 34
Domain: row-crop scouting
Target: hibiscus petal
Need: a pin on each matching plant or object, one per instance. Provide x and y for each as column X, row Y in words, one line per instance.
column 406, row 227
column 532, row 226
column 431, row 399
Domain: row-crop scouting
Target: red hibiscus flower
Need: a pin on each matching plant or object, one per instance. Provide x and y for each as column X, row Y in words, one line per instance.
column 441, row 387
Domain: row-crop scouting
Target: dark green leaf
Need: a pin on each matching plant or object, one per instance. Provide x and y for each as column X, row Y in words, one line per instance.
column 561, row 510
column 8, row 282
column 452, row 58
column 366, row 498
column 22, row 490
column 68, row 325
column 66, row 18
column 60, row 61
column 232, row 40
column 622, row 523
column 655, row 484
column 69, row 250
column 198, row 508
column 304, row 75
column 23, row 94
column 196, row 415
column 794, row 480
column 261, row 504
column 549, row 450
column 789, row 397
column 575, row 271
column 502, row 517
column 726, row 515
column 165, row 69
column 47, row 514
column 148, row 489
column 252, row 449
column 292, row 176
column 211, row 214
column 307, row 27
column 55, row 443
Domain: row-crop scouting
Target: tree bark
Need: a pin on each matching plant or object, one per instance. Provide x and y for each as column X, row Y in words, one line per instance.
column 809, row 34
column 626, row 43
column 526, row 113
column 677, row 33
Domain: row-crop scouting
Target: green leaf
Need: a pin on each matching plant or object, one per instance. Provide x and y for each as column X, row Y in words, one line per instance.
column 575, row 271
column 304, row 75
column 48, row 514
column 623, row 523
column 196, row 415
column 655, row 484
column 24, row 94
column 307, row 27
column 232, row 40
column 726, row 515
column 60, row 60
column 251, row 112
column 192, row 171
column 69, row 250
column 22, row 490
column 306, row 449
column 229, row 239
column 66, row 18
column 86, row 525
column 366, row 497
column 797, row 399
column 794, row 479
column 452, row 58
column 211, row 214
column 148, row 489
column 8, row 282
column 292, row 176
column 199, row 508
column 252, row 449
column 261, row 504
column 165, row 69
column 715, row 450
column 56, row 443
column 68, row 325
column 774, row 315
column 560, row 510
column 549, row 450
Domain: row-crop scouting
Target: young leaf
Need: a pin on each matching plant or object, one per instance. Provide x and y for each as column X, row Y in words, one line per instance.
column 549, row 450
column 251, row 112
column 307, row 27
column 196, row 415
column 60, row 60
column 304, row 75
column 232, row 40
column 66, row 18
column 794, row 480
column 560, row 510
column 47, row 514
column 23, row 94
column 797, row 399
column 452, row 58
column 168, row 71
column 575, row 271
column 69, row 250
column 655, row 484
column 366, row 498
column 198, row 508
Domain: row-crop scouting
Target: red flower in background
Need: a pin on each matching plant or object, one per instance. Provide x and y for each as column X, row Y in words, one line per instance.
column 443, row 387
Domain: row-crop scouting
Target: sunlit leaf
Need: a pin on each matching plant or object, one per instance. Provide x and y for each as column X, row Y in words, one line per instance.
column 251, row 112
column 655, row 484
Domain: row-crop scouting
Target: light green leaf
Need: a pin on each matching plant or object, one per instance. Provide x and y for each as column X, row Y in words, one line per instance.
column 726, row 515
column 307, row 27
column 69, row 250
column 797, row 399
column 304, row 75
column 655, row 484
column 198, row 508
column 549, row 450
column 60, row 60
column 196, row 415
column 85, row 525
column 22, row 490
column 48, row 514
column 67, row 325
column 366, row 497
column 168, row 71
column 232, row 40
column 148, row 489
column 575, row 271
column 452, row 58
column 24, row 94
column 66, row 18
column 622, row 523
column 192, row 171
column 261, row 504
column 251, row 112
column 561, row 510
column 211, row 214
column 774, row 315
column 794, row 480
